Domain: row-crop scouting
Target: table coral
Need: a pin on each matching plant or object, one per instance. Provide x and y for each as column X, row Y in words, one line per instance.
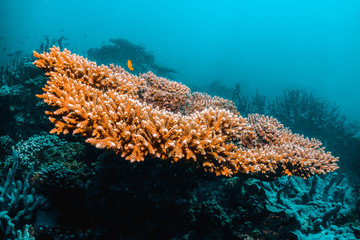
column 139, row 116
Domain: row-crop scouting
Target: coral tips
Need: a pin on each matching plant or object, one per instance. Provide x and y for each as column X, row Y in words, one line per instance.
column 130, row 65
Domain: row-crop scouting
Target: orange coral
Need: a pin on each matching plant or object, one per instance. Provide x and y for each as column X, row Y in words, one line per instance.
column 139, row 116
column 299, row 156
column 199, row 101
column 163, row 93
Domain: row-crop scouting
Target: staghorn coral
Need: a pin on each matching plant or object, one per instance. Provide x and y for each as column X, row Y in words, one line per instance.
column 298, row 154
column 199, row 101
column 163, row 93
column 108, row 107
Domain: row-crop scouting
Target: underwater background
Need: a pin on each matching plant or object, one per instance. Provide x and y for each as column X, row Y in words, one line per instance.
column 297, row 61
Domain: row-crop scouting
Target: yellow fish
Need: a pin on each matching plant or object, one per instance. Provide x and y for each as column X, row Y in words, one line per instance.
column 130, row 65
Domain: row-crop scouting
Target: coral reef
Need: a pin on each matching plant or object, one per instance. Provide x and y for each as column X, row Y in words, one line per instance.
column 300, row 109
column 18, row 203
column 103, row 104
column 30, row 149
column 19, row 82
column 318, row 207
column 89, row 195
column 5, row 145
column 141, row 201
column 197, row 102
column 303, row 112
column 56, row 176
column 163, row 93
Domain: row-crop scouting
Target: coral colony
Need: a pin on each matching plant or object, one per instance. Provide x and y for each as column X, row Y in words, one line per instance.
column 162, row 161
column 146, row 115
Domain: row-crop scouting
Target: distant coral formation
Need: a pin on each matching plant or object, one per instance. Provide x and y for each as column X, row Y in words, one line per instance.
column 120, row 50
column 139, row 116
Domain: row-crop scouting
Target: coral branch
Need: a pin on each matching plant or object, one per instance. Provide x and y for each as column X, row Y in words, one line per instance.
column 139, row 116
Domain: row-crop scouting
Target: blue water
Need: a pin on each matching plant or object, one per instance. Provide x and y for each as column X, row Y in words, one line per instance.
column 265, row 45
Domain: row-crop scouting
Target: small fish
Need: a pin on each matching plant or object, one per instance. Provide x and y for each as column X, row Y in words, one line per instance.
column 130, row 65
